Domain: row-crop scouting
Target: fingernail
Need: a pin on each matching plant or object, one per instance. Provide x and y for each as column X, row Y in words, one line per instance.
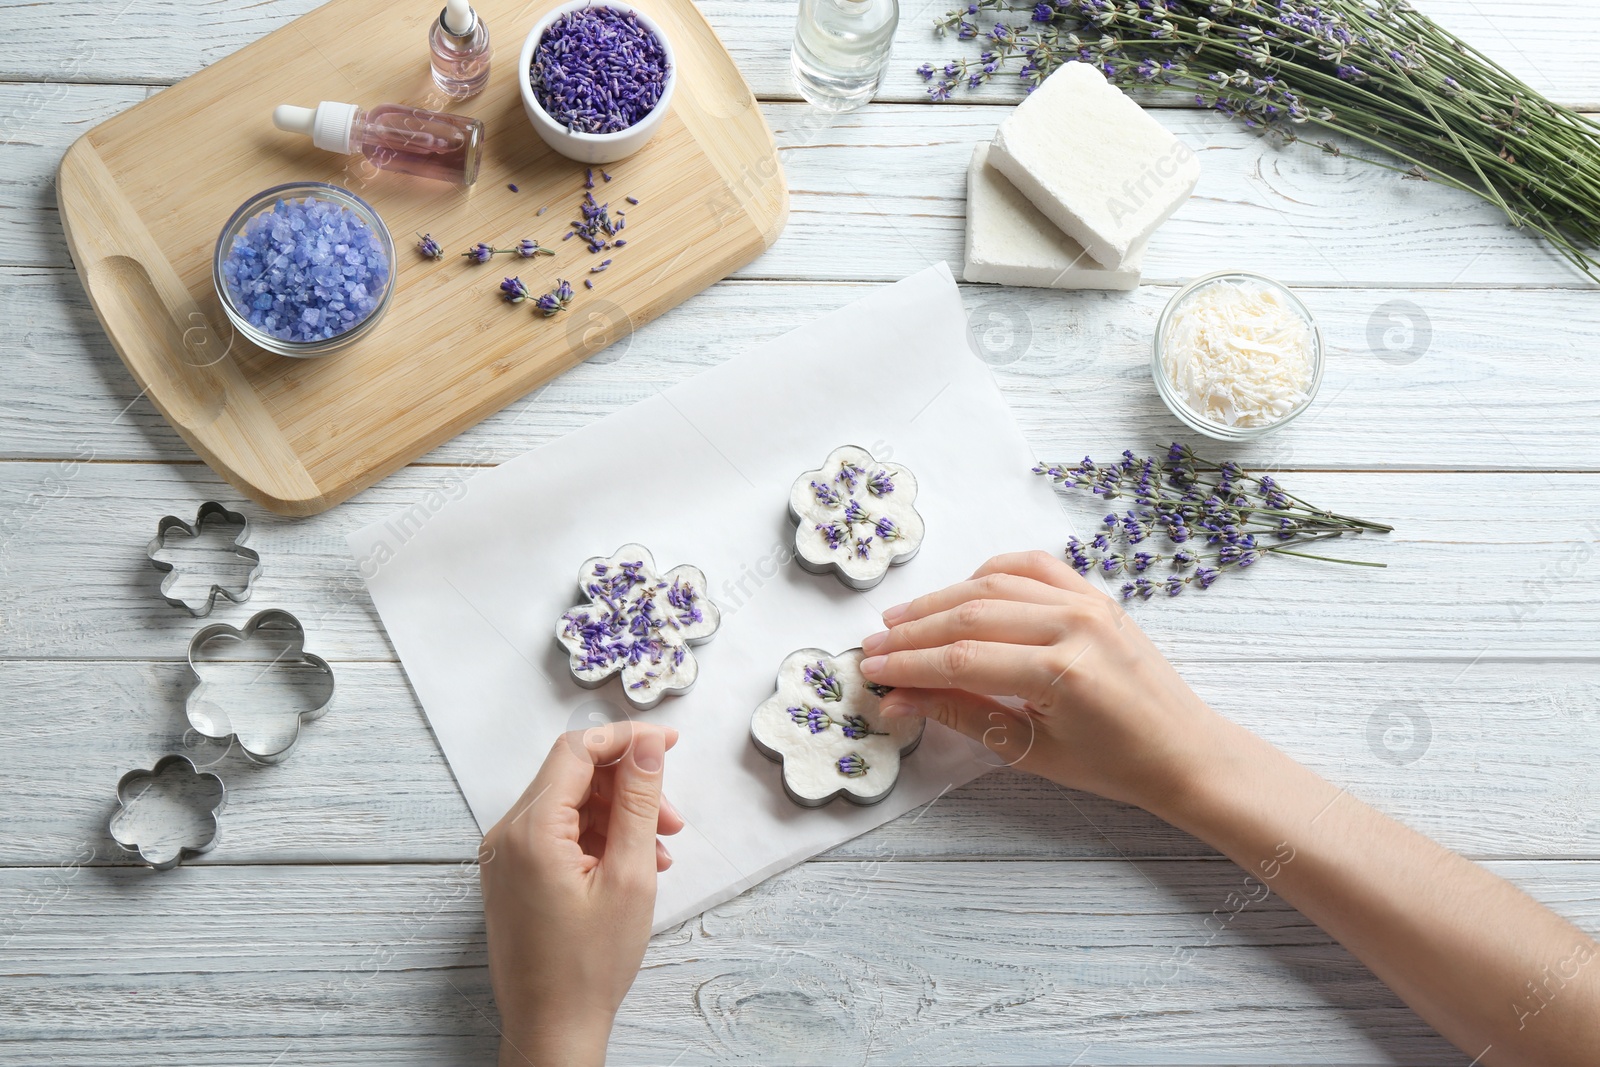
column 894, row 614
column 901, row 710
column 873, row 643
column 649, row 751
column 670, row 808
column 873, row 664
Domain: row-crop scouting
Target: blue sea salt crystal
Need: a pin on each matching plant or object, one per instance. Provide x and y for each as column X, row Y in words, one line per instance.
column 306, row 270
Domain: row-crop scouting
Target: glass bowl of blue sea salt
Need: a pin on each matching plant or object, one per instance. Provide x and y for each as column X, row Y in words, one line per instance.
column 304, row 269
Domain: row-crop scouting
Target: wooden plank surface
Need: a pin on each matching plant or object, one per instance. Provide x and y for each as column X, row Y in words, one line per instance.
column 1008, row 922
column 885, row 960
column 1417, row 379
column 1468, row 573
column 880, row 194
column 1550, row 44
column 368, row 782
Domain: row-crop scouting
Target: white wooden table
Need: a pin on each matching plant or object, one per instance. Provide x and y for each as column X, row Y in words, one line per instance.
column 1008, row 922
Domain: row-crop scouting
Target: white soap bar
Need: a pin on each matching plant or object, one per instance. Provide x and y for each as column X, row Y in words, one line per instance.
column 1091, row 159
column 823, row 725
column 1009, row 241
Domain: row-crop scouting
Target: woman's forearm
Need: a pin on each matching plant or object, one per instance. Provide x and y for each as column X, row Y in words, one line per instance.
column 1501, row 976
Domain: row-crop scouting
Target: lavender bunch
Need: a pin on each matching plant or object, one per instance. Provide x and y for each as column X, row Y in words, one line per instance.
column 1215, row 517
column 1375, row 71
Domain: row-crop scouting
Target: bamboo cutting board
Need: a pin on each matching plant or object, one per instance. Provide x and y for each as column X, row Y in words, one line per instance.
column 144, row 195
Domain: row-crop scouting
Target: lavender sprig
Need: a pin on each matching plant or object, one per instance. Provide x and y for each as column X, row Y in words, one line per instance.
column 428, row 247
column 1218, row 516
column 1375, row 71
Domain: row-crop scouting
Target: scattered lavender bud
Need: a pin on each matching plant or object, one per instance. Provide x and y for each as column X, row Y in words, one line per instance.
column 632, row 200
column 587, row 284
column 542, row 210
column 429, row 248
column 512, row 187
column 604, row 175
column 306, row 270
column 619, row 242
column 588, row 178
column 603, row 265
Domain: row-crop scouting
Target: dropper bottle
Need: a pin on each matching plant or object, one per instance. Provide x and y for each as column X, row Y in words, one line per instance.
column 459, row 42
column 396, row 137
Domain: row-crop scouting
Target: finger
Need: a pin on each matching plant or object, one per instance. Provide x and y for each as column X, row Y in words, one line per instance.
column 636, row 809
column 1006, row 732
column 663, row 857
column 595, row 816
column 976, row 666
column 1040, row 566
column 1002, row 621
column 990, row 587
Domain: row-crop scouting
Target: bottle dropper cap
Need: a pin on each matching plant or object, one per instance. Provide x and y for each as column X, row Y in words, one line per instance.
column 458, row 18
column 329, row 125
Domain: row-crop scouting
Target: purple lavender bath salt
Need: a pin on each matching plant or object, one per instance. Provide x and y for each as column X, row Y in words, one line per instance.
column 598, row 70
column 306, row 270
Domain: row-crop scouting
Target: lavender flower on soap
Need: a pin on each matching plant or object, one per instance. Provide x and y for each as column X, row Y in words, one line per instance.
column 1216, row 517
column 637, row 622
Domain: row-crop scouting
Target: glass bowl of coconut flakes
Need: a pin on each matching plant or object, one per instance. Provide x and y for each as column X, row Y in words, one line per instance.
column 1236, row 356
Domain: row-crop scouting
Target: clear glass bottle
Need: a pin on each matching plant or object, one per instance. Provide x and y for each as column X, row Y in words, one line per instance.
column 394, row 137
column 840, row 50
column 459, row 45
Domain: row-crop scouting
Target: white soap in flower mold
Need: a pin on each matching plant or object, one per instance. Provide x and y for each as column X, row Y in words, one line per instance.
column 823, row 725
column 1094, row 162
column 854, row 516
column 637, row 623
column 1010, row 242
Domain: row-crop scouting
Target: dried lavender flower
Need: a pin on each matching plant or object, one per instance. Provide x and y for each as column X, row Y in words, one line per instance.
column 852, row 766
column 428, row 247
column 598, row 70
column 514, row 291
column 1221, row 507
column 481, row 253
column 556, row 300
column 527, row 248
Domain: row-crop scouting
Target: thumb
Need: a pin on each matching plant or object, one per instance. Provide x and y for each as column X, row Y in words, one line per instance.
column 1002, row 729
column 635, row 808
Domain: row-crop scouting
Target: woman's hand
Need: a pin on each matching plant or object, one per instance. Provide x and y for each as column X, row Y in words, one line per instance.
column 1102, row 709
column 569, row 887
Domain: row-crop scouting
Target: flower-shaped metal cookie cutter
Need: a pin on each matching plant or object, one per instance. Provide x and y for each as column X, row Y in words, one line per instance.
column 145, row 824
column 209, row 510
column 639, row 623
column 823, row 726
column 854, row 516
column 277, row 695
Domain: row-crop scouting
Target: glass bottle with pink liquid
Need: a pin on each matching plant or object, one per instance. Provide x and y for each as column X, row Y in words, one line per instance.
column 393, row 137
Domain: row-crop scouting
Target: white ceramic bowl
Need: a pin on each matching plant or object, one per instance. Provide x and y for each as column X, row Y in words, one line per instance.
column 594, row 147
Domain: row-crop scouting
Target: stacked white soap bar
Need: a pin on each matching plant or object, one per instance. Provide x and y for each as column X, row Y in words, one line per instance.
column 1011, row 242
column 1080, row 154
